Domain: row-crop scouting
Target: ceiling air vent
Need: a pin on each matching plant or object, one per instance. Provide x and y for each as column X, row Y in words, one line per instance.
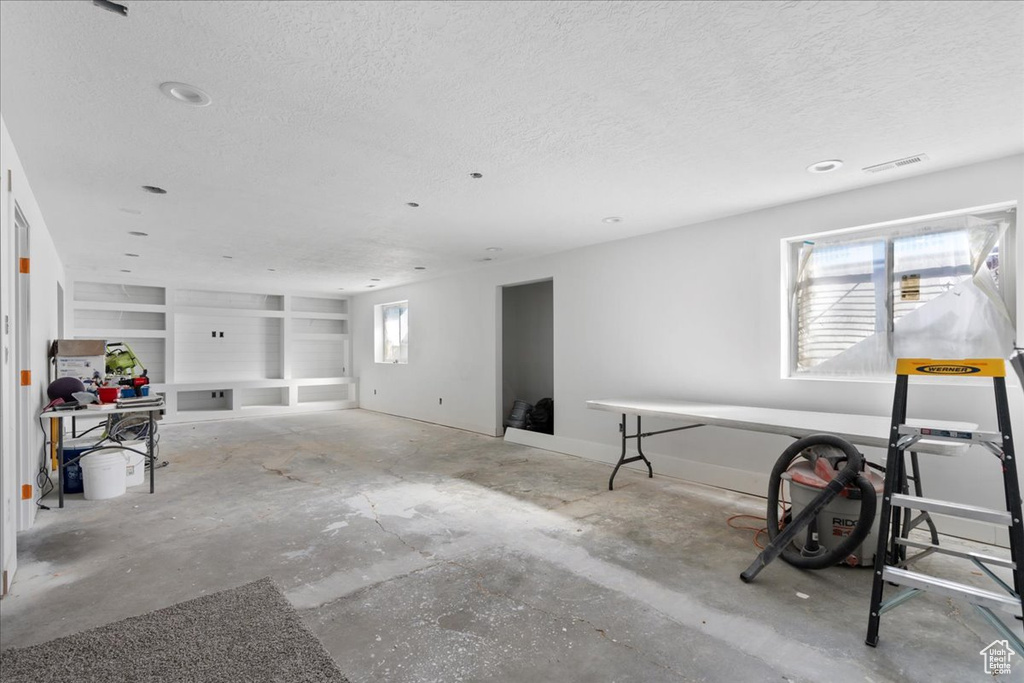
column 898, row 163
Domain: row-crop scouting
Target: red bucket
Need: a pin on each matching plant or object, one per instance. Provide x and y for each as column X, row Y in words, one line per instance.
column 108, row 394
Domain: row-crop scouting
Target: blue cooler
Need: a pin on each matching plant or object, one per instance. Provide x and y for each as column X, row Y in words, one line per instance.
column 73, row 473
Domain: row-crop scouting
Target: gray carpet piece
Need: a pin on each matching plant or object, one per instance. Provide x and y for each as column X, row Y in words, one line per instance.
column 250, row 633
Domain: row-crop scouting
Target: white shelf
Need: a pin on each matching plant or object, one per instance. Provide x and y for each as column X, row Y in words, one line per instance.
column 321, row 336
column 256, row 348
column 235, row 384
column 313, row 315
column 116, row 335
column 216, row 312
column 311, row 306
column 116, row 306
column 87, row 294
column 234, row 301
column 318, row 381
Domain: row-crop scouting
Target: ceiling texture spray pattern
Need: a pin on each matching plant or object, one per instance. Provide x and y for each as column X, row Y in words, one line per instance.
column 328, row 118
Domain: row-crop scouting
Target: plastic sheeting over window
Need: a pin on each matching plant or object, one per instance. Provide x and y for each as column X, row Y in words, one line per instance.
column 926, row 288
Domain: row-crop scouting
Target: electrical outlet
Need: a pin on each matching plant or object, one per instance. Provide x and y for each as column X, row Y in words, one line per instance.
column 440, row 401
column 221, row 335
column 213, row 334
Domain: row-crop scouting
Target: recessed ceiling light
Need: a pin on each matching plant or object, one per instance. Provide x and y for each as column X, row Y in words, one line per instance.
column 185, row 93
column 125, row 270
column 134, row 212
column 476, row 175
column 138, row 233
column 132, row 255
column 611, row 219
column 374, row 279
column 228, row 257
column 493, row 249
column 486, row 258
column 341, row 289
column 272, row 270
column 412, row 204
column 420, row 268
column 825, row 166
column 371, row 286
column 153, row 189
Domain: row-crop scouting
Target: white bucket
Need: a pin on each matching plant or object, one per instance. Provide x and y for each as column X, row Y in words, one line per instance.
column 103, row 474
column 135, row 471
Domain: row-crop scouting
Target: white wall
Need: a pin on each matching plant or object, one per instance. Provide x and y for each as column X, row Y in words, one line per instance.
column 691, row 312
column 46, row 272
column 527, row 343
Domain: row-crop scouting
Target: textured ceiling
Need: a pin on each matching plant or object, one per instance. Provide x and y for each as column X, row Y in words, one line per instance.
column 328, row 117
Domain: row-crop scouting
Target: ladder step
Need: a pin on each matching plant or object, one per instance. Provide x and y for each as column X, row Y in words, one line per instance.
column 953, row 509
column 939, row 434
column 984, row 559
column 933, row 584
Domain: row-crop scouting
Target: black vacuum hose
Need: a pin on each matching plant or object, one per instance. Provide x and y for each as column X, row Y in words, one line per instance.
column 852, row 473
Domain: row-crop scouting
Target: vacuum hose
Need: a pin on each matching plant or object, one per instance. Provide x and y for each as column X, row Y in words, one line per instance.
column 780, row 540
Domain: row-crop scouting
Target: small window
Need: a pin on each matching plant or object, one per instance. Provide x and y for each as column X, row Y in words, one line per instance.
column 392, row 332
column 933, row 286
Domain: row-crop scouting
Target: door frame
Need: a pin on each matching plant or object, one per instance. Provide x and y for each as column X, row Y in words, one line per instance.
column 499, row 356
column 22, row 329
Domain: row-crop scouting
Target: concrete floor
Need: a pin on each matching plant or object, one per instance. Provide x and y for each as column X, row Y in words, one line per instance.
column 421, row 553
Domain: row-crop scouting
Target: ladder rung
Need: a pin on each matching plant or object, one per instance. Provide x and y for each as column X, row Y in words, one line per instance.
column 953, row 509
column 985, row 559
column 933, row 584
column 938, row 434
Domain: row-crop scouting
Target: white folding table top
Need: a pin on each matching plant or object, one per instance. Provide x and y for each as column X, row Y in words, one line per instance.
column 861, row 430
column 86, row 412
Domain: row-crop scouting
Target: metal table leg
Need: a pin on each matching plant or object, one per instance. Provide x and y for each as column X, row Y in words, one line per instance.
column 60, row 461
column 151, row 454
column 639, row 436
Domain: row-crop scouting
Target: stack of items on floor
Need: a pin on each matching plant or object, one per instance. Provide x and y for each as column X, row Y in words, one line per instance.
column 102, row 470
column 538, row 418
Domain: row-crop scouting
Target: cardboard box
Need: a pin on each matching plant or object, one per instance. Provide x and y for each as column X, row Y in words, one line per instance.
column 81, row 358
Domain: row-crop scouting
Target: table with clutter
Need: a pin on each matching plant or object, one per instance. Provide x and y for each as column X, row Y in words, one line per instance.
column 114, row 414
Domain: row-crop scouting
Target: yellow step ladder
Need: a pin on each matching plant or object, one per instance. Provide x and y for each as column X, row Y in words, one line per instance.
column 891, row 563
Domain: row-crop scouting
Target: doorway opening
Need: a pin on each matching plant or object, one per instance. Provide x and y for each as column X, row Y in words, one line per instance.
column 527, row 356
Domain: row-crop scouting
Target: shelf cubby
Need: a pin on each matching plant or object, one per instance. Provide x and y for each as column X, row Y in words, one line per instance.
column 215, row 399
column 112, row 293
column 96, row 319
column 313, row 304
column 201, row 298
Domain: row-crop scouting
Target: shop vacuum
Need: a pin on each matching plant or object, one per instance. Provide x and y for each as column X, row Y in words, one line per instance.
column 833, row 508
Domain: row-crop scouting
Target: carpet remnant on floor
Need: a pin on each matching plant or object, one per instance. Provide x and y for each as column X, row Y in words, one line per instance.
column 249, row 633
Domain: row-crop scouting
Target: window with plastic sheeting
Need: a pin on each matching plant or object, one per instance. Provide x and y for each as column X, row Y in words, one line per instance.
column 391, row 332
column 937, row 286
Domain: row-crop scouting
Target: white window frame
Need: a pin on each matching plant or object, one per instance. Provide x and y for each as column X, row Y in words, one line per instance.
column 890, row 230
column 380, row 352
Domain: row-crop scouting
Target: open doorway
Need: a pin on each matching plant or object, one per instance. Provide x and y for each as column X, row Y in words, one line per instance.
column 527, row 356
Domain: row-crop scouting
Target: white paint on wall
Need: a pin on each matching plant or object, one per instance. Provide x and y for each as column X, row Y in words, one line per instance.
column 691, row 312
column 527, row 356
column 47, row 273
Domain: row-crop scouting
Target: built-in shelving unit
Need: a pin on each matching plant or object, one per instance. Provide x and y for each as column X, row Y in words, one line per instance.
column 217, row 354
